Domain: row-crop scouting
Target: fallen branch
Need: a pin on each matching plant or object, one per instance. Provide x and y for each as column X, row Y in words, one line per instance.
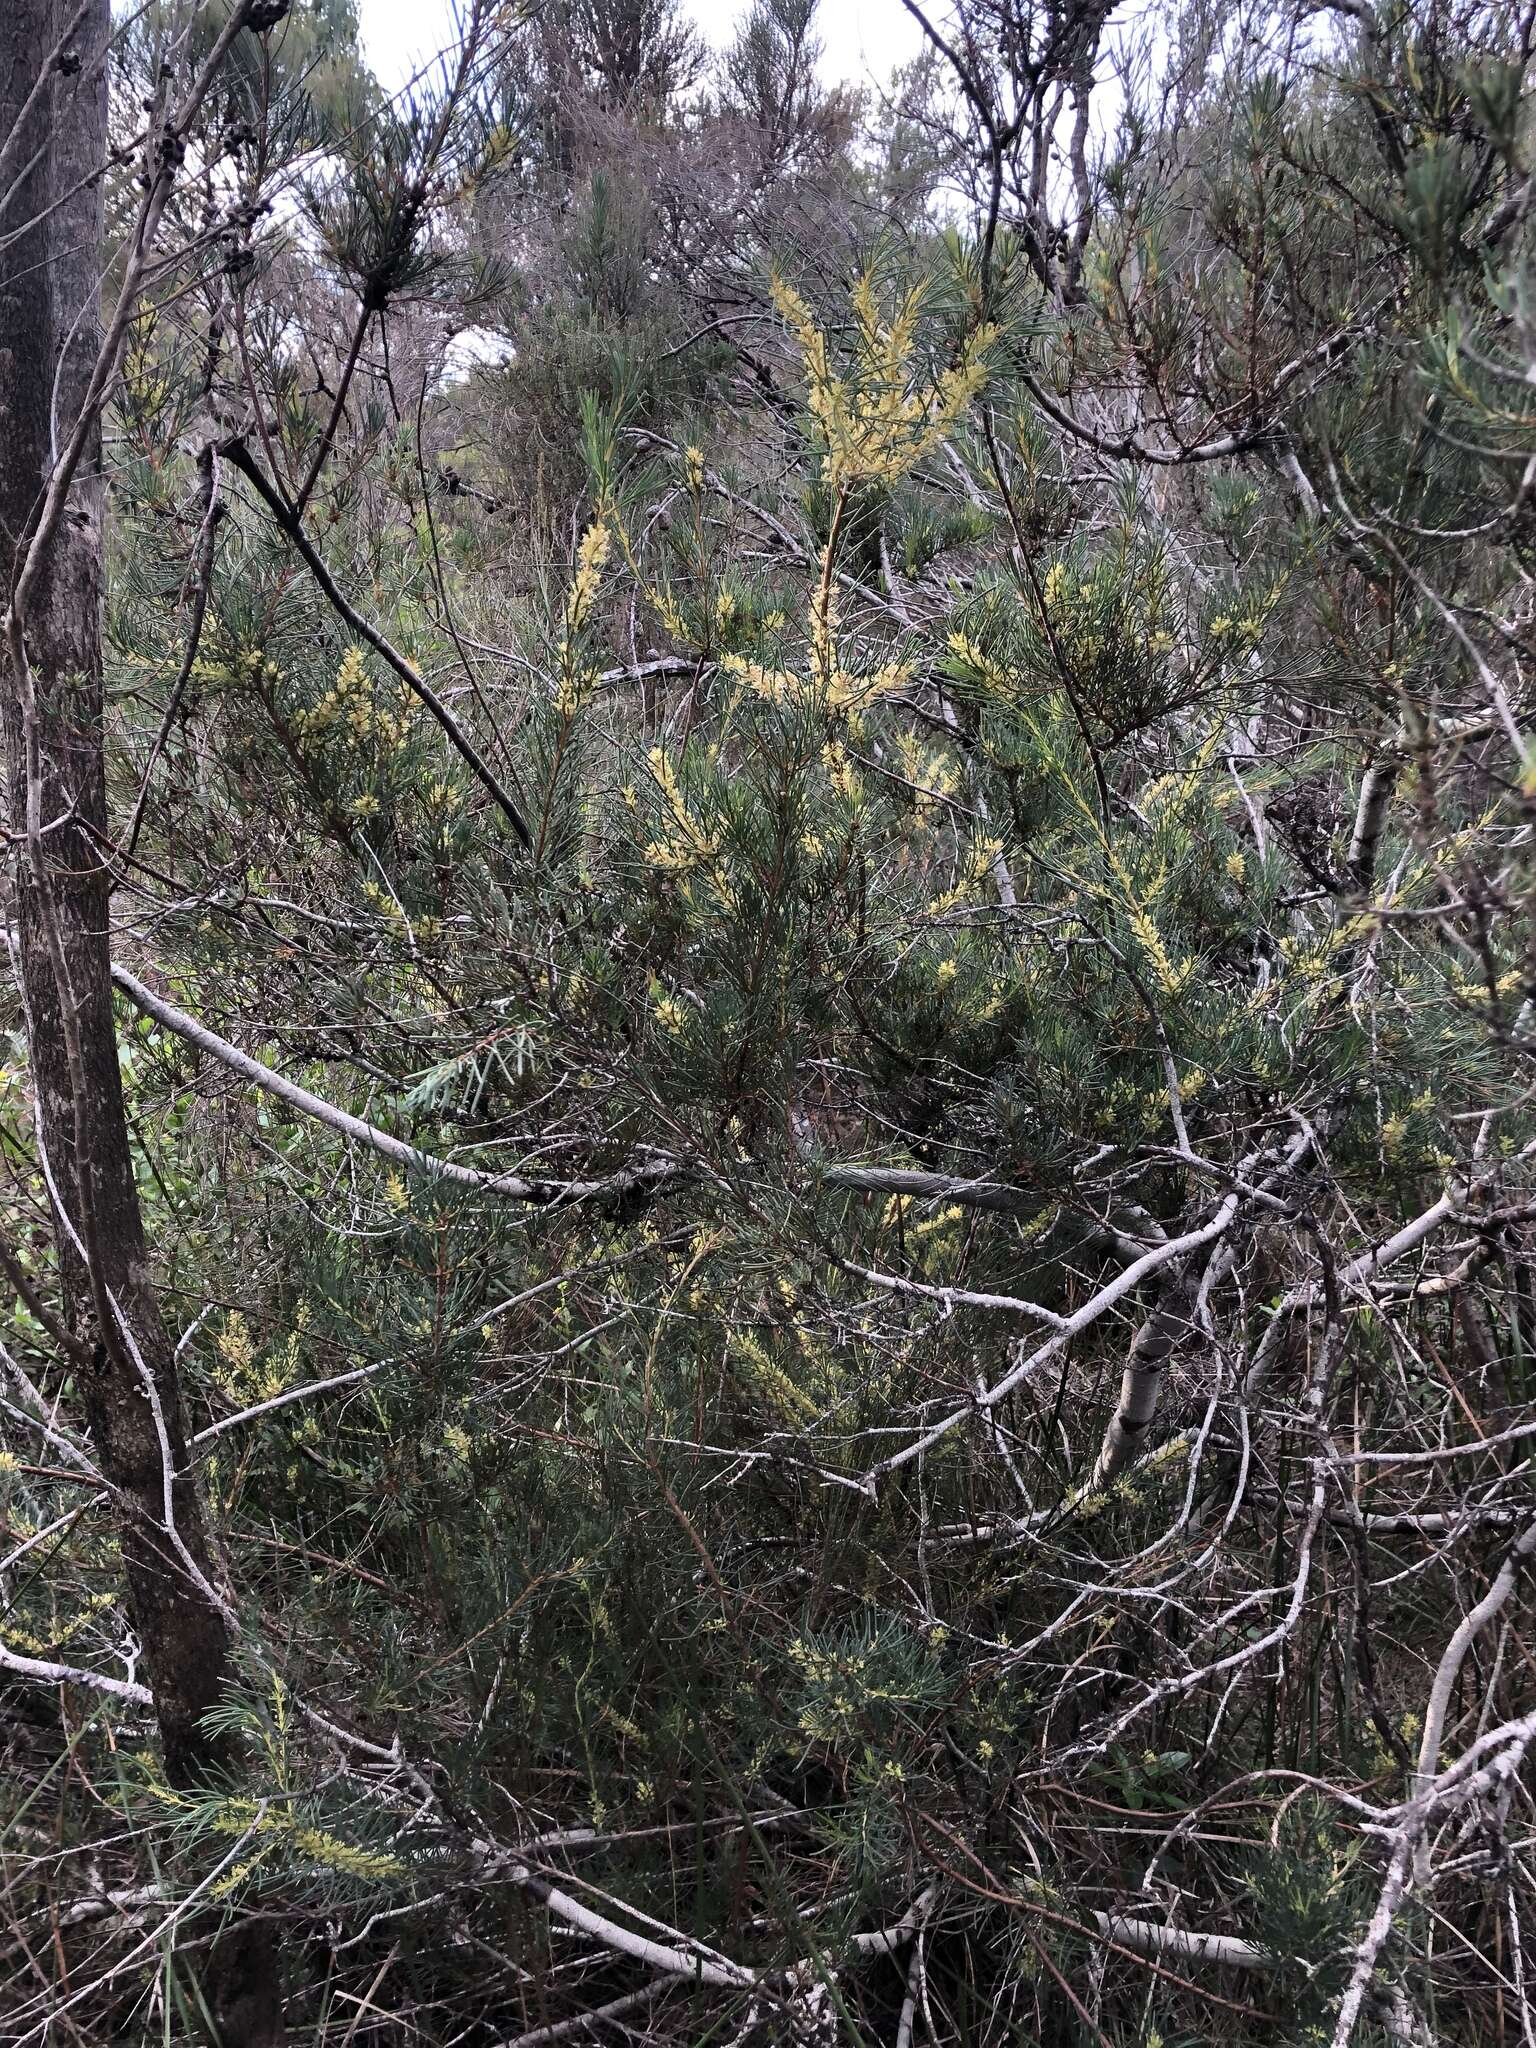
column 539, row 1192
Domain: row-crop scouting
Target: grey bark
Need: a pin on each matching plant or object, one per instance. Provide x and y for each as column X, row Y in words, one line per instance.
column 53, row 111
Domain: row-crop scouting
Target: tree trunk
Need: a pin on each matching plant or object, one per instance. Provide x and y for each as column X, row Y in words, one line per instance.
column 51, row 263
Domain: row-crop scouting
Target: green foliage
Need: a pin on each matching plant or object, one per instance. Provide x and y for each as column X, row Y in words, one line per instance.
column 1011, row 776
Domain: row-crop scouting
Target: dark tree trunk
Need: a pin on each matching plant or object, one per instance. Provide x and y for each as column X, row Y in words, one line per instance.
column 51, row 263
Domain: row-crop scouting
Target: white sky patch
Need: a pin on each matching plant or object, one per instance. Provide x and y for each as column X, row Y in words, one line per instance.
column 472, row 348
column 398, row 39
column 862, row 40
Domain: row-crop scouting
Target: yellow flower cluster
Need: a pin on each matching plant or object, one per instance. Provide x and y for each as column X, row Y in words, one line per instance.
column 1395, row 1129
column 63, row 1632
column 931, row 776
column 1466, row 990
column 670, row 1014
column 355, row 708
column 578, row 678
column 1135, row 896
column 979, row 665
column 769, row 1381
column 661, row 601
column 240, row 1371
column 840, row 771
column 247, row 666
column 318, row 1845
column 821, row 1668
column 936, row 1238
column 234, row 1344
column 1170, row 976
column 684, row 843
column 1127, row 600
column 880, row 420
column 591, row 560
column 773, row 685
column 844, row 692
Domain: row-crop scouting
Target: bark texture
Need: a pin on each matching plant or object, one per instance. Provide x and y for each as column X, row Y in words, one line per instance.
column 53, row 110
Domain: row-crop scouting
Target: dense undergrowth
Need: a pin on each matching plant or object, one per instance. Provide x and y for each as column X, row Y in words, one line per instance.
column 905, row 1418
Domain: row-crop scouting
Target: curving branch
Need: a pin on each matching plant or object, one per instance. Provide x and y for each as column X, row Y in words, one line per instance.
column 291, row 525
column 511, row 1185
